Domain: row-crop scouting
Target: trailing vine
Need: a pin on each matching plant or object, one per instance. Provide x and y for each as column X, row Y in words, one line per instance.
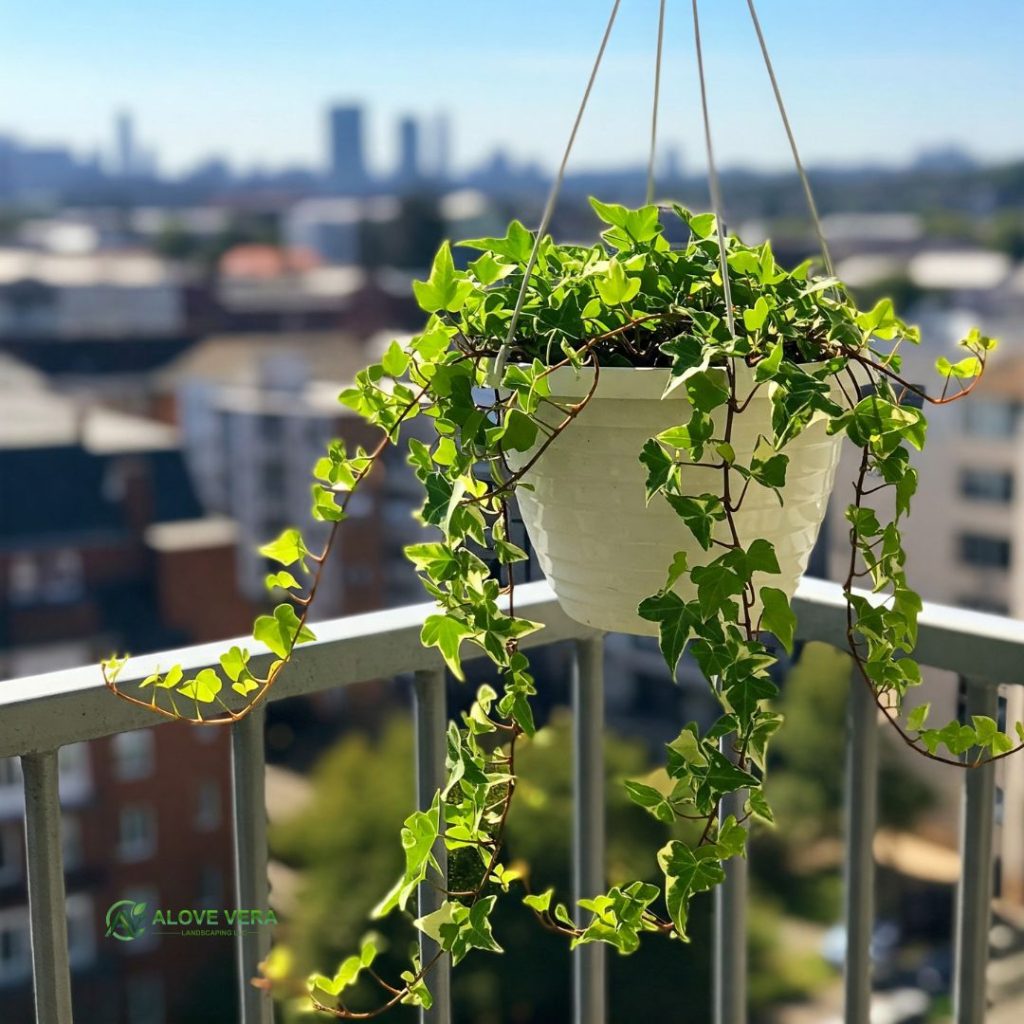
column 633, row 300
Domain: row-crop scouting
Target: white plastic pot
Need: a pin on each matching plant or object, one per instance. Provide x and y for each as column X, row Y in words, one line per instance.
column 602, row 547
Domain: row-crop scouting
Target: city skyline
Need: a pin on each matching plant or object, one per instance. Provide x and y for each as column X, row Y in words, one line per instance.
column 226, row 81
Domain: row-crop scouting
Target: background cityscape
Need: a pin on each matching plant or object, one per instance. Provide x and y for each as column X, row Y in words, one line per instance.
column 173, row 335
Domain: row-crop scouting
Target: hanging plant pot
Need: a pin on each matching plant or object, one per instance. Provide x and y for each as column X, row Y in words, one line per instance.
column 602, row 546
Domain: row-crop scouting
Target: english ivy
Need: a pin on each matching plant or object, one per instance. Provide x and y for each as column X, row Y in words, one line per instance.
column 632, row 300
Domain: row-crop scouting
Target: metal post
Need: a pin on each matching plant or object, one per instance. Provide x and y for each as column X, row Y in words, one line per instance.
column 588, row 834
column 51, row 971
column 730, row 951
column 974, row 893
column 860, row 817
column 249, row 806
column 431, row 713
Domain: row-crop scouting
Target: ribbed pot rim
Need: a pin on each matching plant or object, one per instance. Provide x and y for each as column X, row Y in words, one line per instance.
column 635, row 381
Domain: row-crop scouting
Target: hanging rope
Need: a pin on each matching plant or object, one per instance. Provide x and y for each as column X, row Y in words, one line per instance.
column 804, row 180
column 498, row 370
column 657, row 99
column 714, row 185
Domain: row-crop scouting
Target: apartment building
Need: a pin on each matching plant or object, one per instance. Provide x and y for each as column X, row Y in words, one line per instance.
column 104, row 547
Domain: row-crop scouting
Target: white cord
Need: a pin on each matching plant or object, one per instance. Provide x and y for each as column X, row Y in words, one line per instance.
column 498, row 370
column 805, row 181
column 713, row 183
column 657, row 98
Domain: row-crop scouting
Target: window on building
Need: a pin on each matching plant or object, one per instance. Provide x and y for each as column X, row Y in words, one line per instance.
column 73, row 762
column 15, row 950
column 211, row 886
column 10, row 771
column 64, row 577
column 988, row 418
column 10, row 852
column 134, row 754
column 985, row 552
column 81, row 930
column 984, row 603
column 270, row 427
column 208, row 805
column 986, row 485
column 23, row 579
column 75, row 777
column 137, row 839
column 144, row 999
column 71, row 840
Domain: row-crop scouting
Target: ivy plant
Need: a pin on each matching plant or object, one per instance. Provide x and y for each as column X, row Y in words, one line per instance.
column 631, row 300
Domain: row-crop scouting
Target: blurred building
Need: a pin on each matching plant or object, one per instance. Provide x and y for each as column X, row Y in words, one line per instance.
column 96, row 294
column 256, row 412
column 103, row 548
column 442, row 166
column 335, row 228
column 965, row 536
column 125, row 135
column 409, row 169
column 347, row 170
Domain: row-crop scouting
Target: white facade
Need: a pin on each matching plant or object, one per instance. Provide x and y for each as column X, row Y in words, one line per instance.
column 88, row 295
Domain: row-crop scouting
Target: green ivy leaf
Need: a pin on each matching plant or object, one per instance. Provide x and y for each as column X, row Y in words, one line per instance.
column 651, row 800
column 446, row 634
column 675, row 624
column 203, row 688
column 716, row 584
column 287, row 549
column 687, row 872
column 281, row 581
column 395, row 361
column 778, row 617
column 516, row 245
column 520, row 432
column 918, row 716
column 281, row 630
column 753, row 319
column 445, row 289
column 540, row 903
column 615, row 288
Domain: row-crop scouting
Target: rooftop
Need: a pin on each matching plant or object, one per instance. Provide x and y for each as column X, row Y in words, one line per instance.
column 259, row 359
column 80, row 270
column 192, row 534
column 37, row 417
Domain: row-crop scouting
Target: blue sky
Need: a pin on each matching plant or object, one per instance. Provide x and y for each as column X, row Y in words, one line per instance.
column 865, row 80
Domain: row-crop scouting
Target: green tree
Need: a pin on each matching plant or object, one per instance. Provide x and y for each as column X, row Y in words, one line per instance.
column 343, row 843
column 805, row 785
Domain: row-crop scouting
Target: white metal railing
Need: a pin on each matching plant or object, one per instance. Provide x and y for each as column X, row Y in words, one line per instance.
column 41, row 714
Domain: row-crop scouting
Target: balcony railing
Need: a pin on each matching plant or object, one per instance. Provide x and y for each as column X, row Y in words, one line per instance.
column 41, row 714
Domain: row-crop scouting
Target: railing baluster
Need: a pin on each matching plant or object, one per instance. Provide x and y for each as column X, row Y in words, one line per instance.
column 588, row 836
column 974, row 893
column 431, row 711
column 249, row 806
column 860, row 818
column 51, row 971
column 730, row 939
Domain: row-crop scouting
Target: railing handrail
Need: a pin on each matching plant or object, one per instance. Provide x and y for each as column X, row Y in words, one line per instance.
column 53, row 709
column 39, row 714
column 69, row 705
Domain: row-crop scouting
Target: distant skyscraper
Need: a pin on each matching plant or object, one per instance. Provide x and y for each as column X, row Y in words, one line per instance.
column 408, row 169
column 673, row 166
column 442, row 148
column 348, row 164
column 125, row 131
